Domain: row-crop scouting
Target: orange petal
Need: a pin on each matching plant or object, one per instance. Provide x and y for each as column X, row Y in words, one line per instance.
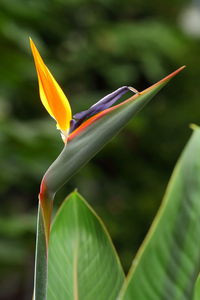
column 51, row 94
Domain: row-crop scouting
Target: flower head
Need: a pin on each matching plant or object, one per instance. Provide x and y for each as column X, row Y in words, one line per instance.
column 56, row 103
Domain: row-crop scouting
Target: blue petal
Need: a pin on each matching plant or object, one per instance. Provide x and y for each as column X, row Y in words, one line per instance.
column 101, row 105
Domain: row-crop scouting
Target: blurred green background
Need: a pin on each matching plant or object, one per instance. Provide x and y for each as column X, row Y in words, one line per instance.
column 92, row 48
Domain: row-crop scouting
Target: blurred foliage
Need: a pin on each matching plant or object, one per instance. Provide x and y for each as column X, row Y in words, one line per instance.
column 92, row 48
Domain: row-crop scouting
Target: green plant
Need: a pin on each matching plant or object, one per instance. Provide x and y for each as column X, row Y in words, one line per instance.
column 75, row 258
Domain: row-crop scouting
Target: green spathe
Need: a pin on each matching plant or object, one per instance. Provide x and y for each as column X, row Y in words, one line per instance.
column 79, row 150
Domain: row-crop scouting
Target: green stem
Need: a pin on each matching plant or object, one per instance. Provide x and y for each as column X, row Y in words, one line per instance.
column 45, row 207
column 40, row 277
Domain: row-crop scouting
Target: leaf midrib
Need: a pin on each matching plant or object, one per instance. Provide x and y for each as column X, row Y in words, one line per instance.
column 75, row 260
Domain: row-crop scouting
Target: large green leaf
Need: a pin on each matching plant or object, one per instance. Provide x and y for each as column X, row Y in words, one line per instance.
column 90, row 137
column 197, row 289
column 167, row 265
column 82, row 261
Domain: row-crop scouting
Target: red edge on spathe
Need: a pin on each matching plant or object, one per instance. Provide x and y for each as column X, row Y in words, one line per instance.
column 42, row 190
column 168, row 77
column 102, row 113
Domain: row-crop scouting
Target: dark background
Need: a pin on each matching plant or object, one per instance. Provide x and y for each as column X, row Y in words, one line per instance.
column 92, row 48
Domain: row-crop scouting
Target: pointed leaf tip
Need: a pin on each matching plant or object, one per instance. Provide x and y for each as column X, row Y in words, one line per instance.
column 79, row 246
column 194, row 127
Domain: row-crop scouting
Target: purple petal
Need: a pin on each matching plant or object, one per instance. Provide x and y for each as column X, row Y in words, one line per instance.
column 101, row 105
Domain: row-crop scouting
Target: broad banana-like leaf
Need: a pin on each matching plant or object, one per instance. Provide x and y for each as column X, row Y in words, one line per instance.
column 82, row 262
column 92, row 135
column 197, row 289
column 168, row 263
